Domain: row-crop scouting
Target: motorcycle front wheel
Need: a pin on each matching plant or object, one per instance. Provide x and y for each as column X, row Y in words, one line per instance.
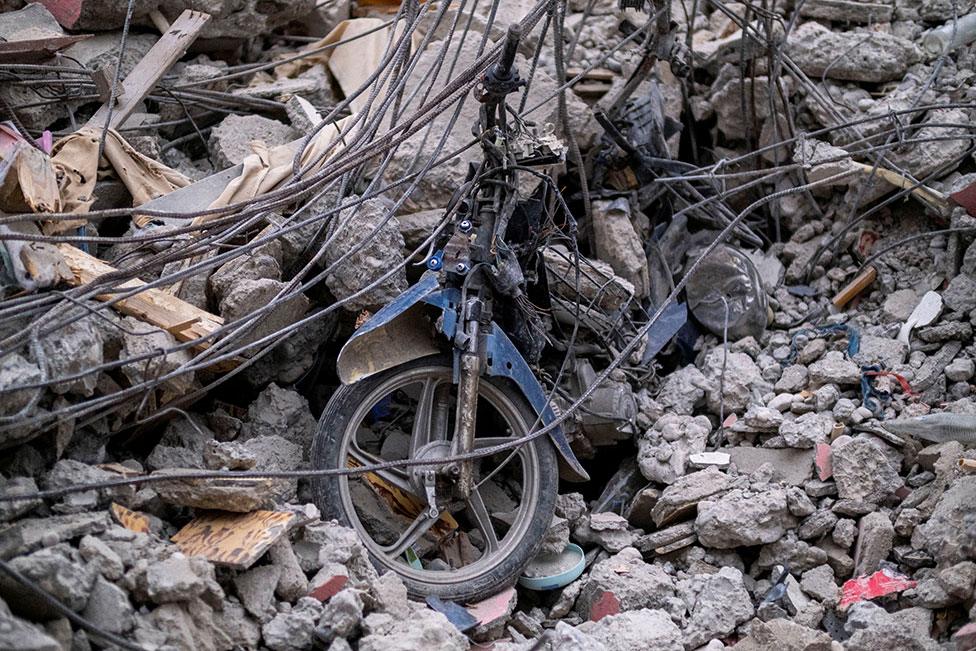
column 474, row 547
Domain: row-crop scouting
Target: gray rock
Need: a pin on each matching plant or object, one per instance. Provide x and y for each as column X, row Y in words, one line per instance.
column 17, row 486
column 784, row 635
column 15, row 371
column 742, row 377
column 15, row 633
column 873, row 629
column 862, row 470
column 256, row 589
column 852, row 56
column 742, row 518
column 617, row 243
column 722, row 604
column 798, row 555
column 102, row 557
column 109, row 608
column 664, row 450
column 682, row 390
column 793, row 379
column 793, row 466
column 874, row 543
column 763, row 419
column 29, row 534
column 817, row 525
column 280, row 412
column 229, row 455
column 634, row 583
column 263, row 262
column 230, row 141
column 390, row 595
column 247, row 296
column 233, row 627
column 557, row 536
column 68, row 472
column 960, row 295
column 372, row 259
column 59, row 571
column 173, row 580
column 881, row 350
column 807, row 430
column 798, row 502
column 835, row 368
column 292, row 582
column 606, row 529
column 899, row 304
column 636, row 629
column 73, row 349
column 342, row 615
column 423, row 629
column 960, row 369
column 149, row 341
column 238, row 496
column 948, row 533
column 819, row 583
column 292, row 631
column 682, row 497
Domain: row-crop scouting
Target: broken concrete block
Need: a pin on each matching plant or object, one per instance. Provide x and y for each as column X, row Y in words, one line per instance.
column 376, row 248
column 853, row 56
column 862, row 470
column 741, row 519
column 874, row 541
column 617, row 242
column 230, row 141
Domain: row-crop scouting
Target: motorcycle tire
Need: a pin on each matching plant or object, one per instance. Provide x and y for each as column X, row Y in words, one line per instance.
column 342, row 418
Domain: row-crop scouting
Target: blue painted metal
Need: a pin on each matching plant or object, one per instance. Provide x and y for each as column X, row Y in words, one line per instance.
column 504, row 360
column 428, row 283
column 675, row 315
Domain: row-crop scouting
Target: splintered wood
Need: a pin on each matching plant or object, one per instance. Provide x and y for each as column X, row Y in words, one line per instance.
column 131, row 520
column 183, row 320
column 234, row 540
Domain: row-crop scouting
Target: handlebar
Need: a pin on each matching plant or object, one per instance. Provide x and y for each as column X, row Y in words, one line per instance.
column 503, row 69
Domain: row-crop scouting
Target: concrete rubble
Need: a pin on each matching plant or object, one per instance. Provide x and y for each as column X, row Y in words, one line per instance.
column 743, row 482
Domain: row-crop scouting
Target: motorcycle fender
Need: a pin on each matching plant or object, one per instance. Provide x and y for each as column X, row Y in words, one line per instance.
column 505, row 360
column 396, row 334
column 401, row 322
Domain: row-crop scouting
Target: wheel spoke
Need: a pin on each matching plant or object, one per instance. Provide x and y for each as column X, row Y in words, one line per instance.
column 430, row 417
column 417, row 528
column 393, row 476
column 479, row 513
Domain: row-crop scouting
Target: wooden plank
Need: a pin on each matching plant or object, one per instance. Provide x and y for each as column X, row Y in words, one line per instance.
column 157, row 62
column 185, row 321
column 234, row 540
column 855, row 287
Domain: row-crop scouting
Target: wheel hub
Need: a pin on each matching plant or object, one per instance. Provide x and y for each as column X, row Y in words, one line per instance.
column 430, row 452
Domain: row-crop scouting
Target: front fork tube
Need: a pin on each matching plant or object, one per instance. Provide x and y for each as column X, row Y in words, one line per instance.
column 467, row 408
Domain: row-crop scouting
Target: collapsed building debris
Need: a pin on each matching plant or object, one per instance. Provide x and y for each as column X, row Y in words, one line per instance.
column 376, row 325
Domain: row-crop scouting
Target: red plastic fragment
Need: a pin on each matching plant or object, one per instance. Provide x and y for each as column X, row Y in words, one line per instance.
column 493, row 608
column 966, row 198
column 606, row 604
column 327, row 590
column 881, row 583
column 66, row 12
column 824, row 462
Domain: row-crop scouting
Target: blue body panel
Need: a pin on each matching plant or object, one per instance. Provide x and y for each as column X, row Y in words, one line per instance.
column 504, row 360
